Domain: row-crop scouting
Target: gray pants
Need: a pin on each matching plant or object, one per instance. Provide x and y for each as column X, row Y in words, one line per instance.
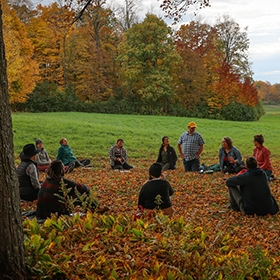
column 235, row 198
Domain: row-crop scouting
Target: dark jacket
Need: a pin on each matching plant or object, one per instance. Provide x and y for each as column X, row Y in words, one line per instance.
column 155, row 189
column 255, row 192
column 171, row 154
column 25, row 185
column 48, row 200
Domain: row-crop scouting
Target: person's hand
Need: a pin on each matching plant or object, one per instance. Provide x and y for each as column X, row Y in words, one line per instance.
column 231, row 160
column 182, row 155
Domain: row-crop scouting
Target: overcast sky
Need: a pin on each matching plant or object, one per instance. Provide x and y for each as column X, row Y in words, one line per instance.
column 262, row 17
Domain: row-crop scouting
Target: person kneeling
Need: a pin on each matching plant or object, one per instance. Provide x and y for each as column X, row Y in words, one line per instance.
column 49, row 197
column 250, row 193
column 155, row 194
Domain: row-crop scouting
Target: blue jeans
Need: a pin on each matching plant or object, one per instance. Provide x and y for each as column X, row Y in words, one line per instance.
column 192, row 165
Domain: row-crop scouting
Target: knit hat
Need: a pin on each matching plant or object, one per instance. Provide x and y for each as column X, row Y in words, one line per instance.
column 38, row 141
column 155, row 170
column 29, row 151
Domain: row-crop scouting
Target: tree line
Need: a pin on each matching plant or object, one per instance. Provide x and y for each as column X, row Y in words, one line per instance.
column 108, row 61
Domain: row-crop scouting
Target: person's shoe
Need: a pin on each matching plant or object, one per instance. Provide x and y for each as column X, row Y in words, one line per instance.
column 271, row 178
column 102, row 210
column 70, row 169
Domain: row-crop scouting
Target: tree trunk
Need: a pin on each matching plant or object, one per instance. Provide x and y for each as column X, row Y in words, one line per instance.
column 11, row 234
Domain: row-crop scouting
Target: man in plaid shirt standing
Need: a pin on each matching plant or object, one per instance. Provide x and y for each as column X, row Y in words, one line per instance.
column 190, row 146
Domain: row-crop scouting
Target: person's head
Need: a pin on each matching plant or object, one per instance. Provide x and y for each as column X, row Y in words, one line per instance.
column 251, row 162
column 63, row 141
column 39, row 143
column 29, row 151
column 120, row 143
column 155, row 170
column 227, row 142
column 56, row 169
column 165, row 140
column 191, row 127
column 258, row 140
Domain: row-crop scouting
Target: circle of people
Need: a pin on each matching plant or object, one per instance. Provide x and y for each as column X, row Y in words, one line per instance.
column 249, row 190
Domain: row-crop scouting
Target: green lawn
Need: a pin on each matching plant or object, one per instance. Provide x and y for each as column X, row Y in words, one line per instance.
column 91, row 135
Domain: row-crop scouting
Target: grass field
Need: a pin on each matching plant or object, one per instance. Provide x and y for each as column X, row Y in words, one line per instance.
column 91, row 135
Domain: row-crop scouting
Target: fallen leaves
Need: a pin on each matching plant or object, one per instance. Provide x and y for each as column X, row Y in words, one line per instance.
column 203, row 235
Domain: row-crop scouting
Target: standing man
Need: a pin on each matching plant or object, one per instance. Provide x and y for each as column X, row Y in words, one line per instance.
column 190, row 146
column 118, row 156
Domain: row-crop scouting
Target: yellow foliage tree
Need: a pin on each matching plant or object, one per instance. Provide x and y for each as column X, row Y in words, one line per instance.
column 22, row 70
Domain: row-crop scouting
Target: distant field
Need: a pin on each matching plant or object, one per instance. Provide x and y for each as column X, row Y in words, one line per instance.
column 91, row 135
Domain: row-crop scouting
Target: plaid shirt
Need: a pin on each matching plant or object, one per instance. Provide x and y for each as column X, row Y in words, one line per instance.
column 190, row 144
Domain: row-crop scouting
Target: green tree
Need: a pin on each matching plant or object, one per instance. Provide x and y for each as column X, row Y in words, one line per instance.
column 146, row 58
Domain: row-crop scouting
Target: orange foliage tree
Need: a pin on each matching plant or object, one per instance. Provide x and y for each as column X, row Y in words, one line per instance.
column 195, row 42
column 48, row 32
column 92, row 51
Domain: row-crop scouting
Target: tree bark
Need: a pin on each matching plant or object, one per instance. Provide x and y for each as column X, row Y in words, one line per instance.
column 12, row 264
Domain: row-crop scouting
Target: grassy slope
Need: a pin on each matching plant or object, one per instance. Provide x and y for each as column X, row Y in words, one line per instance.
column 91, row 135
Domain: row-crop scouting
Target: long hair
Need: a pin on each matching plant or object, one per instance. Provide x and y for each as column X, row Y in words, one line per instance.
column 56, row 169
column 228, row 141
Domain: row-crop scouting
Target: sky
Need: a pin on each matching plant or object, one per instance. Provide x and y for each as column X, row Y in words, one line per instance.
column 262, row 17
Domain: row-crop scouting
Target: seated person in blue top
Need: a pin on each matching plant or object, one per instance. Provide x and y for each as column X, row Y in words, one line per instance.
column 229, row 157
column 65, row 154
column 27, row 173
column 250, row 192
column 167, row 156
column 155, row 194
column 49, row 201
column 118, row 156
column 42, row 158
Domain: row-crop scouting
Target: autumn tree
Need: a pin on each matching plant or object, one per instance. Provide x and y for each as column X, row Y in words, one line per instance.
column 175, row 9
column 21, row 68
column 195, row 42
column 146, row 57
column 93, row 51
column 270, row 94
column 12, row 264
column 234, row 44
column 48, row 32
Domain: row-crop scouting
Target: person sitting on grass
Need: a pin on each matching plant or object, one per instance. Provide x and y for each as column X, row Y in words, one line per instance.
column 262, row 154
column 250, row 193
column 67, row 157
column 27, row 173
column 118, row 156
column 51, row 193
column 230, row 158
column 155, row 194
column 167, row 156
column 42, row 158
